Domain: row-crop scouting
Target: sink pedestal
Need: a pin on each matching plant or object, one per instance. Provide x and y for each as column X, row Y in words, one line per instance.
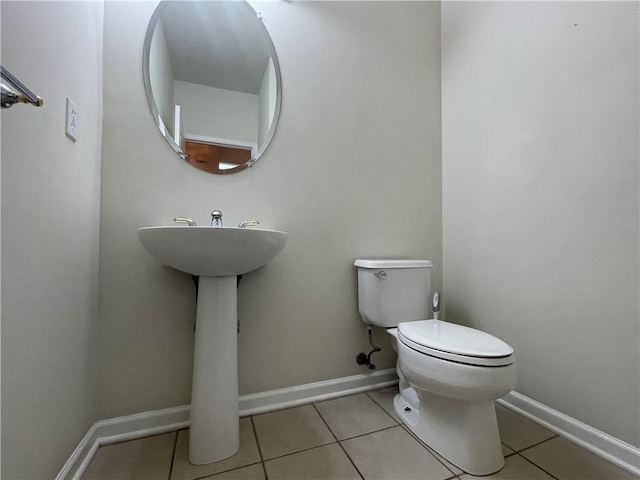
column 217, row 255
column 215, row 428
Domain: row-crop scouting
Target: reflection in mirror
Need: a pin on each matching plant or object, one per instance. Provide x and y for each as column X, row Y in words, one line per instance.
column 213, row 82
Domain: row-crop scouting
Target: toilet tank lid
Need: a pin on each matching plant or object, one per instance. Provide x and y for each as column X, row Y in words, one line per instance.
column 392, row 263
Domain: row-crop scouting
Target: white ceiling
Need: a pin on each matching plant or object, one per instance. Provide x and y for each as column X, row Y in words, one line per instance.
column 216, row 43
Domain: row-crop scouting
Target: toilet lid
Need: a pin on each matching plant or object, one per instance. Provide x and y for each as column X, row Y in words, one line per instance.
column 455, row 342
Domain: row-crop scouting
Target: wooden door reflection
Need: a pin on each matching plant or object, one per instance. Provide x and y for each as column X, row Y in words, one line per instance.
column 220, row 159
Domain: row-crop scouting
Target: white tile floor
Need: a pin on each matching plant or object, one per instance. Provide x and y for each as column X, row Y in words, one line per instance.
column 353, row 437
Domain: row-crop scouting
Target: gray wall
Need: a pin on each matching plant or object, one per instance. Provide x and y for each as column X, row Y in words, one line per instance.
column 354, row 171
column 540, row 196
column 50, row 226
column 540, row 192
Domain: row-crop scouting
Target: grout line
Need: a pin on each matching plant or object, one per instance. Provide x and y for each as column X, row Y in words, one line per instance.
column 351, row 460
column 340, row 444
column 538, row 466
column 369, row 433
column 255, row 435
column 513, row 452
column 284, row 409
column 534, row 445
column 173, row 456
column 435, row 454
column 381, row 408
column 108, row 444
column 209, row 475
column 298, row 451
column 361, row 434
column 422, row 444
column 325, row 422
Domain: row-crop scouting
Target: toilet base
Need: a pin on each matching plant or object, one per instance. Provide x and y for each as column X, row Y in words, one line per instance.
column 464, row 433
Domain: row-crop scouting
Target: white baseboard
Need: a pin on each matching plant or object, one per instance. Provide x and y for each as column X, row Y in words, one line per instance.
column 120, row 429
column 314, row 392
column 611, row 449
column 105, row 432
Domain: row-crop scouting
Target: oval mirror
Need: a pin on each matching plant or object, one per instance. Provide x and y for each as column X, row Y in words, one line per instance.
column 213, row 82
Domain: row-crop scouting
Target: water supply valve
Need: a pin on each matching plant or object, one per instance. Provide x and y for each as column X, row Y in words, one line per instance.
column 364, row 359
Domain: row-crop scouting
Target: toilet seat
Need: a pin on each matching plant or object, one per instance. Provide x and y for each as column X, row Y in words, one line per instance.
column 455, row 343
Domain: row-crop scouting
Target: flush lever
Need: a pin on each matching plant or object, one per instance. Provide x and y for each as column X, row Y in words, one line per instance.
column 381, row 274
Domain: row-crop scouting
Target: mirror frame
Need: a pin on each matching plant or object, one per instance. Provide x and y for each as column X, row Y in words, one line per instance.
column 153, row 108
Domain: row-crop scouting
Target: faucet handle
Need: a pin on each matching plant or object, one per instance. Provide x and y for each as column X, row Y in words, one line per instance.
column 248, row 223
column 188, row 221
column 216, row 218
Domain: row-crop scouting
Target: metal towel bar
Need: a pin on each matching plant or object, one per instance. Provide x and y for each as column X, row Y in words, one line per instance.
column 11, row 96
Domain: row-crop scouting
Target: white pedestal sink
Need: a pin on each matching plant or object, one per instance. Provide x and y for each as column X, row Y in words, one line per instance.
column 217, row 255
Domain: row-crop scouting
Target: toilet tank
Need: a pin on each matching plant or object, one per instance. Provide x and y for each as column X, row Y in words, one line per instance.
column 393, row 291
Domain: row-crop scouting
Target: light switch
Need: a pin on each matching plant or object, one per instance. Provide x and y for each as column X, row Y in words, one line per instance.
column 72, row 120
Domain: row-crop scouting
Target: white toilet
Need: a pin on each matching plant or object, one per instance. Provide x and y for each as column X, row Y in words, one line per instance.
column 449, row 374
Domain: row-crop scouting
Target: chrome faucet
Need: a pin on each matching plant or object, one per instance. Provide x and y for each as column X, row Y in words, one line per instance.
column 188, row 221
column 216, row 218
column 248, row 223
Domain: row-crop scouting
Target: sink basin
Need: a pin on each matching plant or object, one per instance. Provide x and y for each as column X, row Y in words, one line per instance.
column 212, row 251
column 217, row 255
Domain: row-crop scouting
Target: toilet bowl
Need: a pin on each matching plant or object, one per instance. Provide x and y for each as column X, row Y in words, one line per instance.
column 449, row 375
column 454, row 393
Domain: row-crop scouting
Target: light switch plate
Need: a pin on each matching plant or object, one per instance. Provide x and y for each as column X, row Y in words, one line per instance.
column 71, row 127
